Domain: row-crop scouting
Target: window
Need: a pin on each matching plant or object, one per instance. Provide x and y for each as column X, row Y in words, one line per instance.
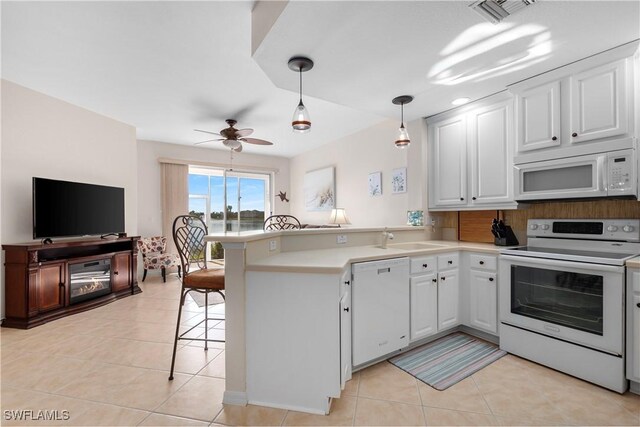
column 229, row 200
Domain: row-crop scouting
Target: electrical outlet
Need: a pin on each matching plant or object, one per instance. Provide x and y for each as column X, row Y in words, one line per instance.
column 341, row 239
column 273, row 245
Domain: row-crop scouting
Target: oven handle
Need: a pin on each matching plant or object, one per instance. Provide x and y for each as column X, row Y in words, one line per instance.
column 543, row 262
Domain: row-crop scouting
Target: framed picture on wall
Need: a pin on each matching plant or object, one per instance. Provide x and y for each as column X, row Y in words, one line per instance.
column 399, row 181
column 375, row 184
column 320, row 189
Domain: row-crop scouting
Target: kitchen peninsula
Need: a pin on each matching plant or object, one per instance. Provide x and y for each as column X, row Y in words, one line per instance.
column 288, row 295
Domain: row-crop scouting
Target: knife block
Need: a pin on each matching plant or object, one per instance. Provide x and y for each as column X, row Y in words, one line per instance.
column 509, row 240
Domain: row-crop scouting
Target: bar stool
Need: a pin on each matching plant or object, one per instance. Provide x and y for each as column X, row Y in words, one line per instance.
column 188, row 234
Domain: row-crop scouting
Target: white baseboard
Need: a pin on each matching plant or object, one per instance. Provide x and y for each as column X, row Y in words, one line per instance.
column 634, row 387
column 238, row 398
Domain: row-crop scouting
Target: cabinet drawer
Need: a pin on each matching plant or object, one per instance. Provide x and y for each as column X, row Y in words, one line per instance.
column 447, row 261
column 483, row 262
column 425, row 264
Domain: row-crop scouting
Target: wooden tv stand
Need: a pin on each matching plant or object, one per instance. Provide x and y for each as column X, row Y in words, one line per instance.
column 37, row 277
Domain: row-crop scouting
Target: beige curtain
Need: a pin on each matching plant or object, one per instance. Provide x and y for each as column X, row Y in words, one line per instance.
column 175, row 197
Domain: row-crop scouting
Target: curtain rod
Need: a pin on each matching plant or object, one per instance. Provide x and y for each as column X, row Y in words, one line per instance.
column 216, row 165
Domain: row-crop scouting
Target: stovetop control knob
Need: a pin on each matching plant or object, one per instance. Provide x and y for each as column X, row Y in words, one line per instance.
column 628, row 228
column 545, row 226
column 533, row 226
column 612, row 228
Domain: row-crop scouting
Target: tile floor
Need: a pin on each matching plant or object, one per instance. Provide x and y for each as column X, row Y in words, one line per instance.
column 109, row 366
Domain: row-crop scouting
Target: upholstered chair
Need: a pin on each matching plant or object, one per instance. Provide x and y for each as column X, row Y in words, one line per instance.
column 154, row 256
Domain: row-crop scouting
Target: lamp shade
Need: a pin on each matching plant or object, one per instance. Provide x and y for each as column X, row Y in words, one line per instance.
column 402, row 140
column 338, row 216
column 301, row 121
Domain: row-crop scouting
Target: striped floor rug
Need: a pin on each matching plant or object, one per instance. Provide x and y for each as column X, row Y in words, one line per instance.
column 447, row 360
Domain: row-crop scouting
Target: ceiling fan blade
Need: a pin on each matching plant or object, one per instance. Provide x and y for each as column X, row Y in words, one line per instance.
column 208, row 140
column 239, row 149
column 244, row 132
column 256, row 141
column 206, row 131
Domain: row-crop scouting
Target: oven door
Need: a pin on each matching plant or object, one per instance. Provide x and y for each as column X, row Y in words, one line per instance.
column 581, row 303
column 574, row 177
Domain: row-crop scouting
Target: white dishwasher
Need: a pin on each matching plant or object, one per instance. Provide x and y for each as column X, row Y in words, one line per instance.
column 380, row 304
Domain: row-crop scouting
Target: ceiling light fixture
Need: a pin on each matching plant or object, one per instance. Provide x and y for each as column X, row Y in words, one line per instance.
column 301, row 121
column 460, row 101
column 402, row 141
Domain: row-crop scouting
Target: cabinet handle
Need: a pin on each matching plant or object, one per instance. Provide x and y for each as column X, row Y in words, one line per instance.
column 491, row 279
column 348, row 282
column 442, row 278
column 574, row 134
column 473, row 198
column 554, row 138
column 638, row 305
column 461, row 198
column 346, row 309
column 115, row 272
column 434, row 280
column 450, row 262
column 425, row 265
column 481, row 262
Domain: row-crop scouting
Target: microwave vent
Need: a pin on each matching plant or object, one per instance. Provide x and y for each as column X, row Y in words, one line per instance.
column 495, row 11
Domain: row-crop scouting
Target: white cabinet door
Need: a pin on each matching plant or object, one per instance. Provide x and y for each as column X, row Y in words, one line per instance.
column 448, row 300
column 345, row 338
column 633, row 325
column 598, row 103
column 424, row 306
column 483, row 301
column 448, row 162
column 491, row 158
column 538, row 117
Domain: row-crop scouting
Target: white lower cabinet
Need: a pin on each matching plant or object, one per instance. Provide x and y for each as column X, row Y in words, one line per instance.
column 482, row 293
column 345, row 328
column 633, row 325
column 434, row 295
column 424, row 306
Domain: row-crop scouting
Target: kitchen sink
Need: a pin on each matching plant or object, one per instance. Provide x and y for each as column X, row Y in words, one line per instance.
column 414, row 246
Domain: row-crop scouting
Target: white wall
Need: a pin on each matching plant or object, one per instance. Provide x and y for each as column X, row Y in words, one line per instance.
column 149, row 206
column 46, row 137
column 354, row 157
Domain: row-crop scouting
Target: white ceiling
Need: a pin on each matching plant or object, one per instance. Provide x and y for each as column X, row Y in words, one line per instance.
column 170, row 67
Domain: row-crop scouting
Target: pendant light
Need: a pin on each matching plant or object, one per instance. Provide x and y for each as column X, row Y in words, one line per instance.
column 402, row 140
column 301, row 121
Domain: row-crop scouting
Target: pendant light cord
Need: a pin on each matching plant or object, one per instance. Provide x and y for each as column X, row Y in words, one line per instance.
column 402, row 115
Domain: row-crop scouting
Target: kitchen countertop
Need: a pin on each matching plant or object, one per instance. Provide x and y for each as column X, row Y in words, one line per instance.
column 334, row 260
column 634, row 262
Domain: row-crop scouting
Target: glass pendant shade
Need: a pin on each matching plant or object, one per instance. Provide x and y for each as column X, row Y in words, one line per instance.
column 231, row 143
column 301, row 121
column 402, row 140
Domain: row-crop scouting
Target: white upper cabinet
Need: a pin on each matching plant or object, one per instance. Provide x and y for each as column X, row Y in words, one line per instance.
column 583, row 108
column 470, row 152
column 598, row 103
column 448, row 165
column 490, row 142
column 538, row 113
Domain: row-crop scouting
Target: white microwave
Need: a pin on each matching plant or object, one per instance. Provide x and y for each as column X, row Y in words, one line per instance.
column 596, row 175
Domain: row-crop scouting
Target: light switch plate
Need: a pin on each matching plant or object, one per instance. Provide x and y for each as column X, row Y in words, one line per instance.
column 341, row 239
column 273, row 245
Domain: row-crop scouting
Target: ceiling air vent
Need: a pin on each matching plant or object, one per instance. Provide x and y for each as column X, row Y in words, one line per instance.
column 496, row 10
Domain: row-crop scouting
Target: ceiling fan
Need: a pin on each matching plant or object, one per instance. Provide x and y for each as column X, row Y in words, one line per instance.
column 233, row 138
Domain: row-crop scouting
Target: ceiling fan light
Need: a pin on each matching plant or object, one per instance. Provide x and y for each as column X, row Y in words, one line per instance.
column 232, row 143
column 402, row 140
column 301, row 121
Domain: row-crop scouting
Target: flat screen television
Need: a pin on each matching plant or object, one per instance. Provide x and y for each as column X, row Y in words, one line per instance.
column 64, row 209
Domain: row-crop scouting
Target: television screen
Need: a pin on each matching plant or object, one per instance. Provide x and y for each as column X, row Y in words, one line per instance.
column 62, row 208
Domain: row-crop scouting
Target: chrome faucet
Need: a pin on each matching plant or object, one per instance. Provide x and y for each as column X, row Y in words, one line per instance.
column 386, row 235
